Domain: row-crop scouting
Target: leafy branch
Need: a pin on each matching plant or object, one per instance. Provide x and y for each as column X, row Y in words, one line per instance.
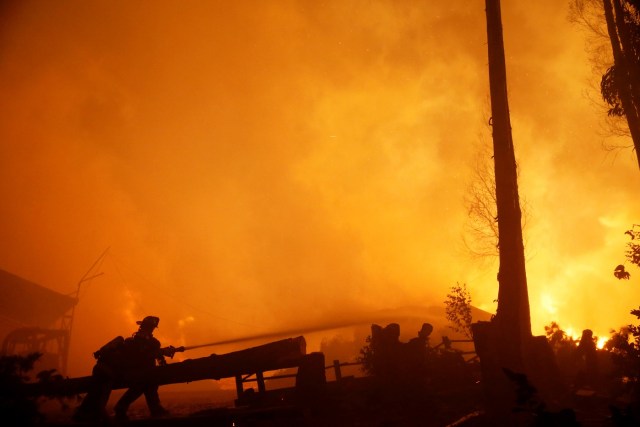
column 632, row 253
column 458, row 309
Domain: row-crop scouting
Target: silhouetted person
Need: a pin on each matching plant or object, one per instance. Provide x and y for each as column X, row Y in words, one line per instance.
column 417, row 347
column 110, row 358
column 588, row 357
column 423, row 335
column 144, row 352
column 416, row 354
column 386, row 350
column 123, row 358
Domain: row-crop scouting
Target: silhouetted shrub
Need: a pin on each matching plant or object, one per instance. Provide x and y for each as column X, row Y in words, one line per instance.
column 366, row 357
column 556, row 336
column 632, row 254
column 16, row 408
column 624, row 346
column 458, row 309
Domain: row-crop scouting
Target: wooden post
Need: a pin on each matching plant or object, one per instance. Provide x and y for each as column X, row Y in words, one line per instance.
column 239, row 386
column 337, row 369
column 310, row 379
column 260, row 380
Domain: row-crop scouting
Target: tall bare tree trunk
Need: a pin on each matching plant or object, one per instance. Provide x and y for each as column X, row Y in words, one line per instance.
column 506, row 343
column 513, row 317
column 627, row 77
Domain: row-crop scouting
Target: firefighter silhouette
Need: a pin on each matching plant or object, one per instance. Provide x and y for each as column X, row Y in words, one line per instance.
column 129, row 358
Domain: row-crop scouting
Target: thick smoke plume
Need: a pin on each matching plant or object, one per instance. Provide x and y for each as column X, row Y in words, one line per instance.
column 258, row 165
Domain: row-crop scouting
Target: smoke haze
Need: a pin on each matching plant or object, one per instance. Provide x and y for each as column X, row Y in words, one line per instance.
column 258, row 165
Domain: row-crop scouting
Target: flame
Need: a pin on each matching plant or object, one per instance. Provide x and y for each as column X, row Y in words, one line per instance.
column 291, row 161
column 571, row 333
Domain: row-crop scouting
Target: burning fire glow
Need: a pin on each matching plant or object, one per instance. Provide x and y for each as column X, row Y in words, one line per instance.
column 255, row 165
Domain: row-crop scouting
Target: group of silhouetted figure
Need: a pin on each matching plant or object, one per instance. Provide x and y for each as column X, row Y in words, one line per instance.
column 392, row 359
column 125, row 362
column 122, row 359
column 414, row 364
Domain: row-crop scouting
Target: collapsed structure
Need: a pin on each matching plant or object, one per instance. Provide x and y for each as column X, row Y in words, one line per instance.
column 35, row 319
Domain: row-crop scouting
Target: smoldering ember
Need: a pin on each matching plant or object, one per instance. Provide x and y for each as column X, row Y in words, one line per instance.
column 337, row 213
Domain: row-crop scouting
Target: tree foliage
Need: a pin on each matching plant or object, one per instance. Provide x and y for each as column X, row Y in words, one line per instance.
column 458, row 309
column 481, row 226
column 17, row 409
column 624, row 346
column 632, row 253
column 618, row 22
column 366, row 357
column 621, row 79
column 556, row 335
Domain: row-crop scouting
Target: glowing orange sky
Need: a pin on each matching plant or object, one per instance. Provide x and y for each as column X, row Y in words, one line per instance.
column 254, row 165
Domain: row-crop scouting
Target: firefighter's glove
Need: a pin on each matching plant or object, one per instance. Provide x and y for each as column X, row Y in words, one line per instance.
column 170, row 351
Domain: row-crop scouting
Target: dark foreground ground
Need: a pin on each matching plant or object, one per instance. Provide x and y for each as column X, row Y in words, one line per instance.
column 360, row 402
column 352, row 402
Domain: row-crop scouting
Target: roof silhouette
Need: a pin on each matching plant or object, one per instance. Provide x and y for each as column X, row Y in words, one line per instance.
column 29, row 304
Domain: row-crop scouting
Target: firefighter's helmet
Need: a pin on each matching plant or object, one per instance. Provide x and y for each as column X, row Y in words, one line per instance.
column 149, row 322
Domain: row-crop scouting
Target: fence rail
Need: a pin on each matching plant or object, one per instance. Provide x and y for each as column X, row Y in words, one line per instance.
column 337, row 366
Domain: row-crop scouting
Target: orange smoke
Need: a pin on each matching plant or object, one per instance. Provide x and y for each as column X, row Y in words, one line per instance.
column 253, row 165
